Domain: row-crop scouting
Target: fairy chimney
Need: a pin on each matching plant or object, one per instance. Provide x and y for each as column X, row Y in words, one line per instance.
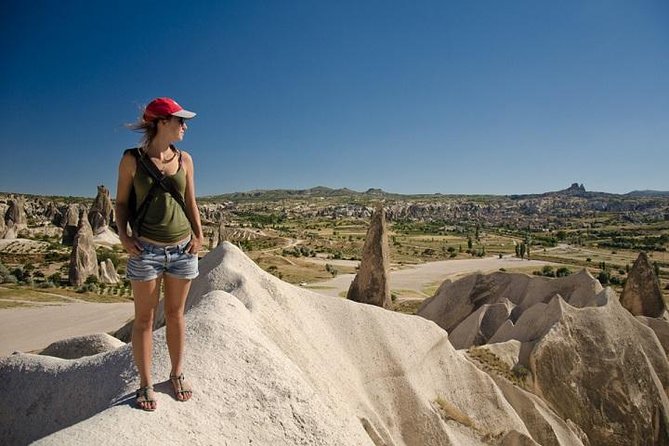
column 642, row 295
column 103, row 204
column 83, row 260
column 371, row 284
column 108, row 274
column 16, row 213
column 70, row 224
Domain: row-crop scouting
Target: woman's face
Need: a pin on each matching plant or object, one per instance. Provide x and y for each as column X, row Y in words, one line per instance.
column 173, row 127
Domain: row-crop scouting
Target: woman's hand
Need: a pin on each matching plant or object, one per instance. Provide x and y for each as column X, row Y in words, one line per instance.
column 195, row 245
column 131, row 245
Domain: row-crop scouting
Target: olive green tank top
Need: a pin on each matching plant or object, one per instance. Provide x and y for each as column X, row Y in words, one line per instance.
column 165, row 221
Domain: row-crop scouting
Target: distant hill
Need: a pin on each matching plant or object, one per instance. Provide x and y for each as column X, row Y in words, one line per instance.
column 575, row 190
column 647, row 193
column 278, row 194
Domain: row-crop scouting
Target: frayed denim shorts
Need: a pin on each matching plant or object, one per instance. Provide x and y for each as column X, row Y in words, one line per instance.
column 155, row 260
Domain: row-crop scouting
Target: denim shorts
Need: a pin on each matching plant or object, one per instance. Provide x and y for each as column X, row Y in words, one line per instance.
column 155, row 260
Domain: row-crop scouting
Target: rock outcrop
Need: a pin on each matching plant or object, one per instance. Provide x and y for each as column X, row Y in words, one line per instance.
column 371, row 284
column 221, row 233
column 585, row 355
column 70, row 223
column 97, row 221
column 103, row 205
column 83, row 259
column 108, row 274
column 16, row 214
column 455, row 301
column 275, row 364
column 642, row 295
column 106, row 237
column 80, row 346
column 101, row 213
column 53, row 214
column 14, row 218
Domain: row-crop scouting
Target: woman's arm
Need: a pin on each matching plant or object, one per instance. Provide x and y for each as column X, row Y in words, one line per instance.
column 126, row 172
column 192, row 212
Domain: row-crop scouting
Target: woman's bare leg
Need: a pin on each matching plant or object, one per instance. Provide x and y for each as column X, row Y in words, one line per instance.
column 176, row 291
column 146, row 296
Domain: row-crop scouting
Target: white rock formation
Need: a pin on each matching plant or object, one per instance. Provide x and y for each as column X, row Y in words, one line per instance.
column 275, row 364
column 106, row 237
column 108, row 274
column 83, row 259
column 81, row 346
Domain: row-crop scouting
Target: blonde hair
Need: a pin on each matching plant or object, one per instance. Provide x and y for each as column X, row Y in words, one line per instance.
column 149, row 130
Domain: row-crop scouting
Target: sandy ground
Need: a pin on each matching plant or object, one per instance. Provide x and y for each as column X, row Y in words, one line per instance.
column 417, row 277
column 28, row 329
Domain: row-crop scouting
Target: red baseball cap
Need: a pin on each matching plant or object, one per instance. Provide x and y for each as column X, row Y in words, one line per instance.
column 162, row 107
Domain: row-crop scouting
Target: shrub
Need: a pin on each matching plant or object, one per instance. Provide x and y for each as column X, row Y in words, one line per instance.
column 604, row 277
column 563, row 272
column 104, row 254
column 4, row 273
column 547, row 271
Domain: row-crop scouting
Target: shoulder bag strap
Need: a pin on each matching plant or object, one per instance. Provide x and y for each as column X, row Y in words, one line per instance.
column 163, row 181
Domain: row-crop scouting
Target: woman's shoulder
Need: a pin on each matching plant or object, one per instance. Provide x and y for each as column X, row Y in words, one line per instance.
column 131, row 153
column 185, row 157
column 129, row 158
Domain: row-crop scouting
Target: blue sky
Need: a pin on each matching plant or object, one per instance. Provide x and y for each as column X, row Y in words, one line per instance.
column 489, row 96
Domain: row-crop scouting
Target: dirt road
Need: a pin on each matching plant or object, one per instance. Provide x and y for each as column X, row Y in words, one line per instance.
column 417, row 277
column 28, row 329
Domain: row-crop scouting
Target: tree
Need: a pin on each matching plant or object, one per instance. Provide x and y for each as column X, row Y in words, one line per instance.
column 522, row 250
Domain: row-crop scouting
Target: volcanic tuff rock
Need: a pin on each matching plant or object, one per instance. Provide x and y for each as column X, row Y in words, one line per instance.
column 83, row 259
column 275, row 364
column 371, row 284
column 80, row 346
column 642, row 295
column 103, row 204
column 108, row 274
column 16, row 213
column 97, row 221
column 53, row 214
column 3, row 226
column 70, row 223
column 10, row 232
column 588, row 357
column 455, row 301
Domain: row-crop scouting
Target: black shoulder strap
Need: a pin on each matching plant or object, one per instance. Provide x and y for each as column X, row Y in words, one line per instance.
column 163, row 181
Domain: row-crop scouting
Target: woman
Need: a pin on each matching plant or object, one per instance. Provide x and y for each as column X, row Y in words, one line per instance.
column 165, row 246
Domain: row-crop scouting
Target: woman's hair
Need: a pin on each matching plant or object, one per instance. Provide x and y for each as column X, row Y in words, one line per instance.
column 149, row 129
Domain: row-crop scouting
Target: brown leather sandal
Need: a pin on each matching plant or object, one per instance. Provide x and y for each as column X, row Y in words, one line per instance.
column 146, row 396
column 182, row 389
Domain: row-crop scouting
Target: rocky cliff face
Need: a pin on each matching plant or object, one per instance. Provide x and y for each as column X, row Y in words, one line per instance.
column 584, row 354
